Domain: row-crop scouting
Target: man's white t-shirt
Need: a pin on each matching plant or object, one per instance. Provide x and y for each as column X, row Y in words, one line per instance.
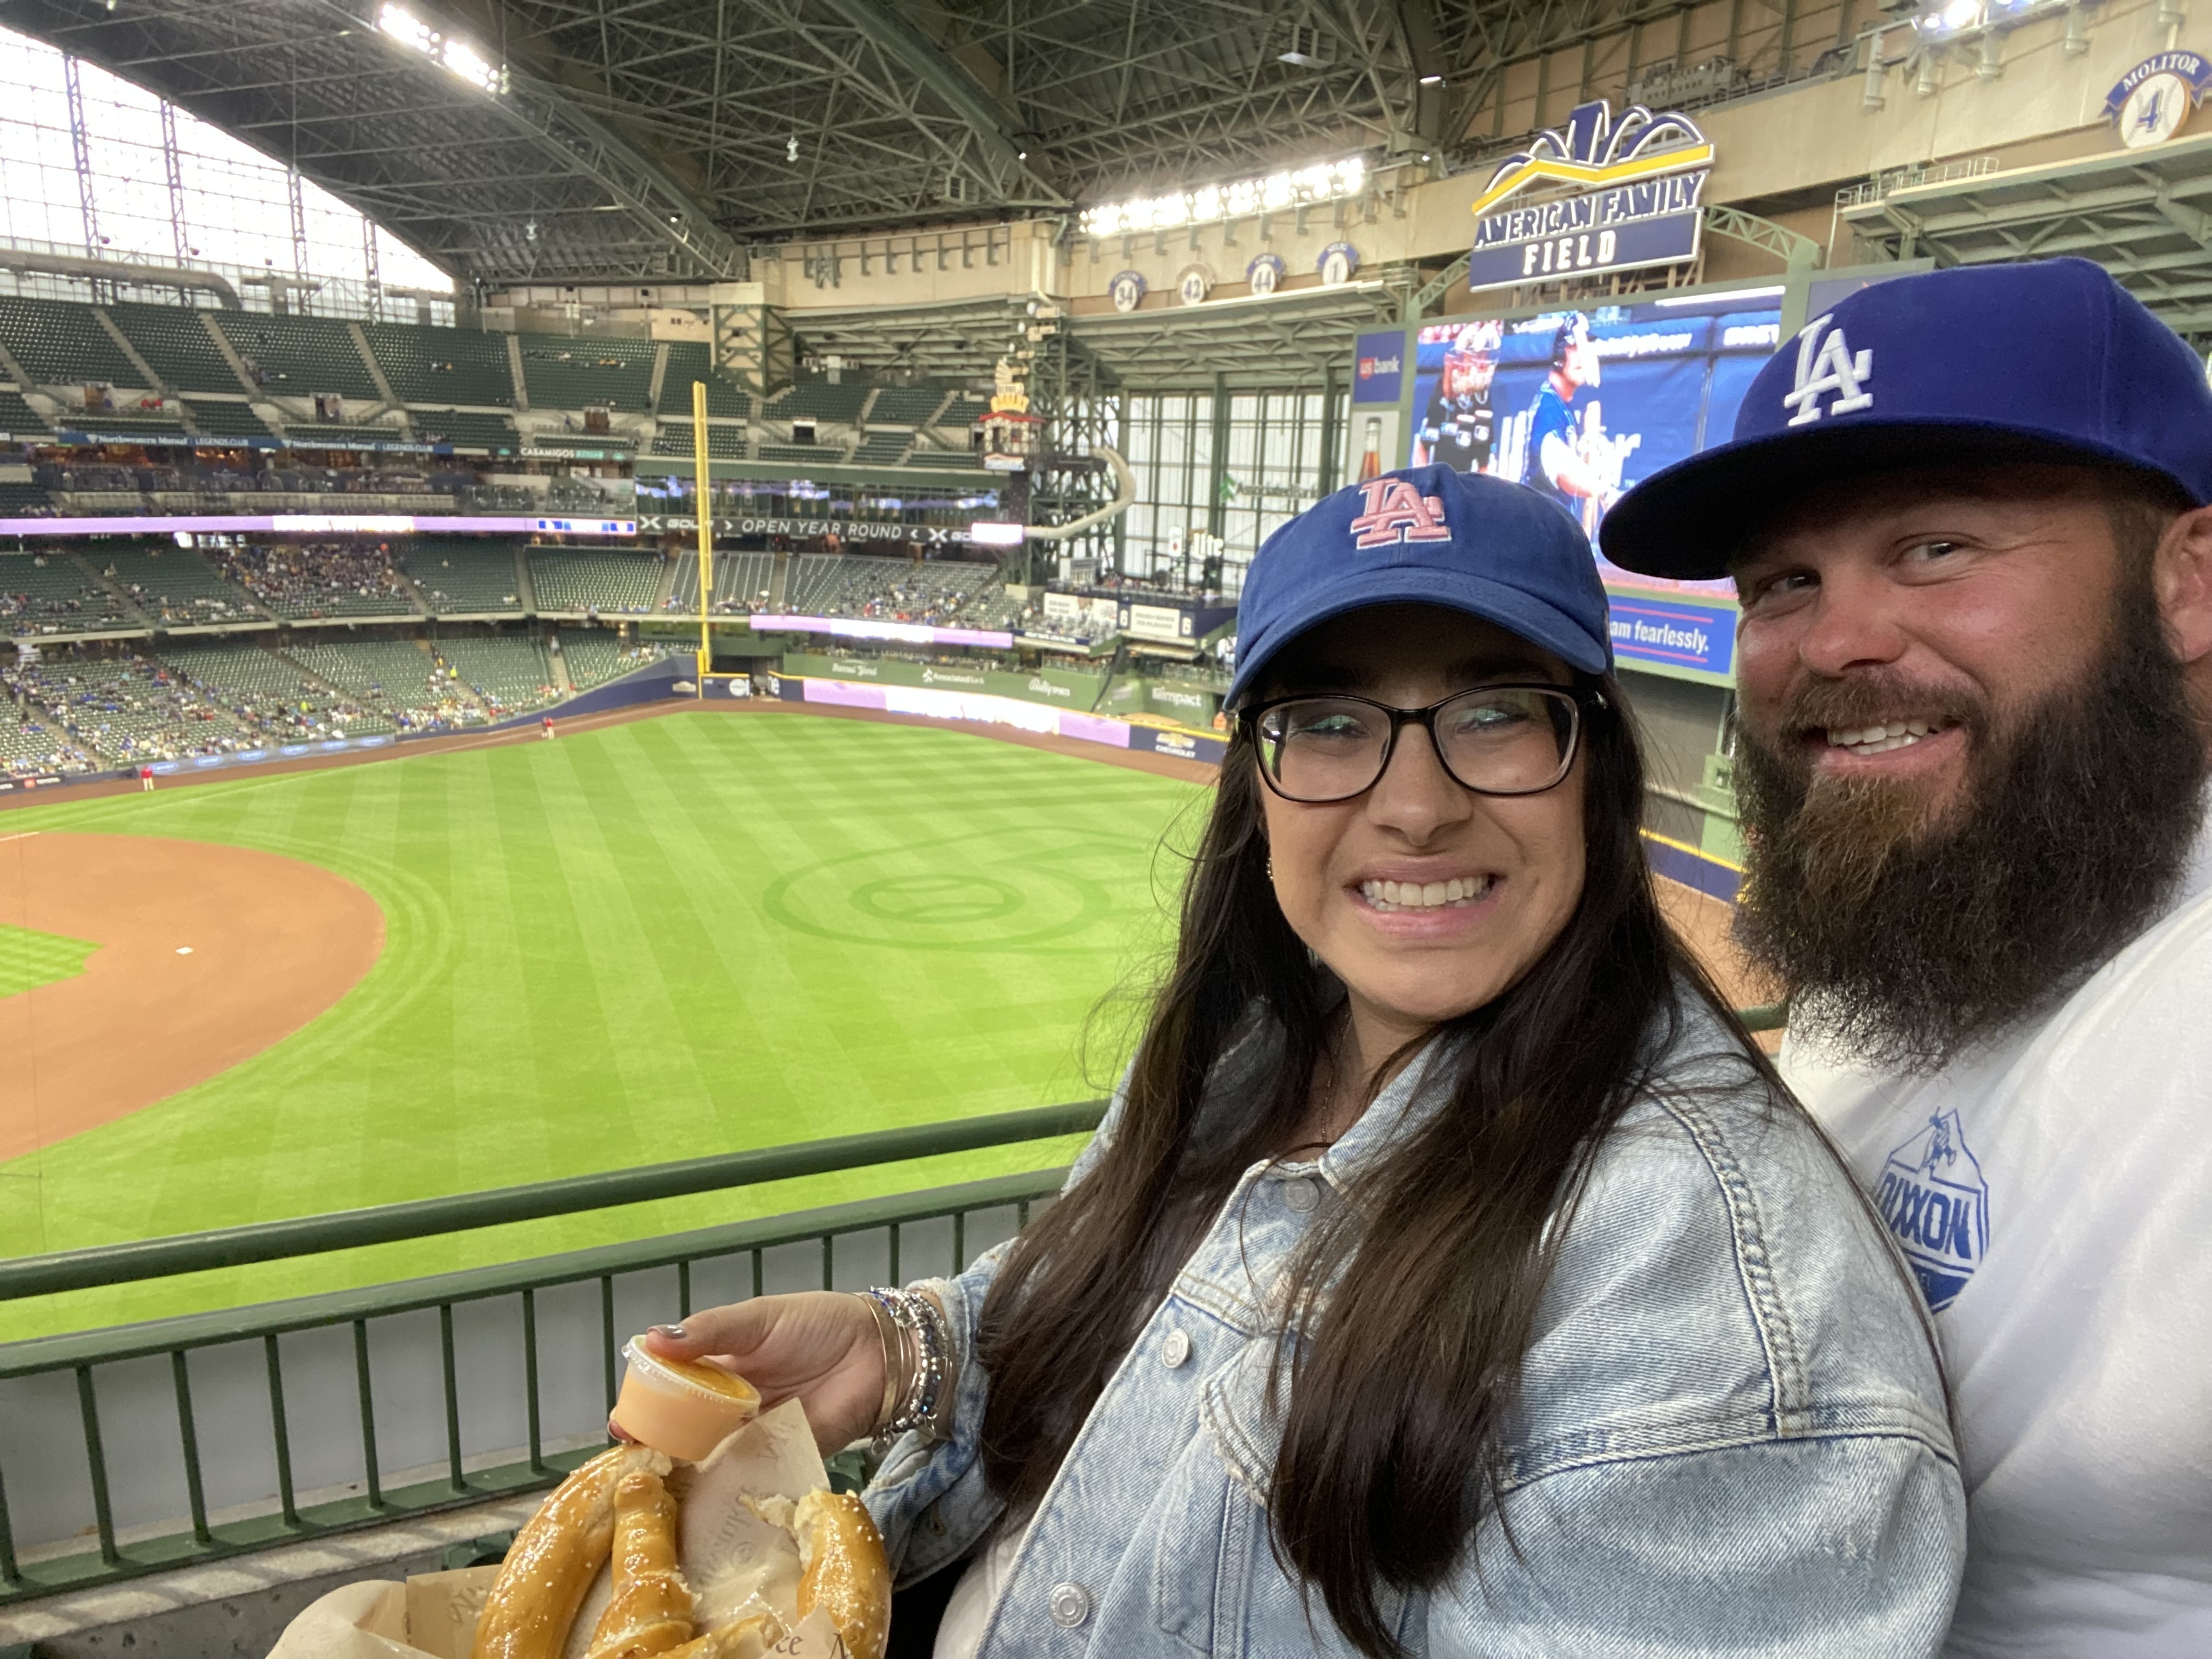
column 2053, row 1191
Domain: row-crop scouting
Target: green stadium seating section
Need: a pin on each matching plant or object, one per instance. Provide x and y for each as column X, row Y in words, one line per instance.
column 801, row 454
column 507, row 674
column 882, row 448
column 576, row 580
column 128, row 710
column 571, row 374
column 62, row 343
column 821, row 400
column 271, row 695
column 427, row 365
column 32, row 741
column 58, row 596
column 724, row 443
column 23, row 500
column 595, row 656
column 854, row 585
column 466, row 578
column 687, row 361
column 393, row 677
column 905, row 405
column 465, row 428
column 965, row 410
column 299, row 356
column 17, row 415
column 226, row 419
column 741, row 583
column 305, row 584
column 175, row 587
column 174, row 343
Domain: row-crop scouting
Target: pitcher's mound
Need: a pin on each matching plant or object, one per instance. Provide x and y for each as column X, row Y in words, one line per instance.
column 207, row 955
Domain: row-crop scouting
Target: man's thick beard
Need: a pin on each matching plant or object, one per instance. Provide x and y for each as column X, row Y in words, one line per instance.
column 1903, row 943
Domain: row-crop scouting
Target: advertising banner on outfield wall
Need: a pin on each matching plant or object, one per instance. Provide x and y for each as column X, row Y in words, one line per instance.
column 1057, row 687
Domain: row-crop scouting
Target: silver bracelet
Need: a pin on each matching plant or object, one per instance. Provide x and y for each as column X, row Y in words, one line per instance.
column 922, row 1397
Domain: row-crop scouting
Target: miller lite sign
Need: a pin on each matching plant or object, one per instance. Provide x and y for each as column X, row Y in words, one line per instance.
column 1637, row 198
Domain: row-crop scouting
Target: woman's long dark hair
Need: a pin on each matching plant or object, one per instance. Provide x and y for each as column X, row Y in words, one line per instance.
column 1404, row 1371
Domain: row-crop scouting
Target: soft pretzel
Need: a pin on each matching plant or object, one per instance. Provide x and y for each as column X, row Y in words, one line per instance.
column 650, row 1612
column 554, row 1558
column 841, row 1569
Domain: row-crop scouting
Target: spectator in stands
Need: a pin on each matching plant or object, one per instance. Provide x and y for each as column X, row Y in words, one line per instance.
column 1445, row 1207
column 1976, row 681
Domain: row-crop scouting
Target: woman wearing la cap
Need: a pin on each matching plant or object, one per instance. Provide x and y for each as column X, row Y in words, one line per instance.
column 1450, row 1275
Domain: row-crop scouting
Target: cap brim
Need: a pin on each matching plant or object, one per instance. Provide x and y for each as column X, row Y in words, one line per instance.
column 1690, row 521
column 1530, row 619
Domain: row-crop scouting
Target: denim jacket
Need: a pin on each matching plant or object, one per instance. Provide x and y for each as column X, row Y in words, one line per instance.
column 1731, row 1435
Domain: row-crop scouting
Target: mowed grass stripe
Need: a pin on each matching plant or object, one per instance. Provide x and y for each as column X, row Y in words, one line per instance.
column 587, row 966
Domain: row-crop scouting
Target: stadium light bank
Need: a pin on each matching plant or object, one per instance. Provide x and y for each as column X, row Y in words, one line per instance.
column 455, row 55
column 1210, row 204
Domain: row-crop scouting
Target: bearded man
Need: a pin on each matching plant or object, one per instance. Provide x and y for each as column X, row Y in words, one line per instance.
column 1965, row 514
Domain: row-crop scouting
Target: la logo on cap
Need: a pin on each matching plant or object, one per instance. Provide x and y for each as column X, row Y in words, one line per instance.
column 1397, row 513
column 1825, row 364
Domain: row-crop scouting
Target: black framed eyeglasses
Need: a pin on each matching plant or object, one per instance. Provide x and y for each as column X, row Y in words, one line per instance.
column 1496, row 740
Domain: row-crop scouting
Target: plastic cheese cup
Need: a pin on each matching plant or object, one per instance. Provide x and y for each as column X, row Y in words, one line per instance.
column 680, row 1406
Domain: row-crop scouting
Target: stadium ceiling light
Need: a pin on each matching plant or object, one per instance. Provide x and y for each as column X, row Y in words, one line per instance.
column 1432, row 80
column 456, row 55
column 1210, row 204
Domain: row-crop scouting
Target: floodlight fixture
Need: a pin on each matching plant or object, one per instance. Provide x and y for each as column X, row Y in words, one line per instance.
column 457, row 56
column 1432, row 80
column 1240, row 198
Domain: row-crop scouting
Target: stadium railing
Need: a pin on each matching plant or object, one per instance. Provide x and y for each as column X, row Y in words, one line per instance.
column 232, row 1419
column 285, row 1421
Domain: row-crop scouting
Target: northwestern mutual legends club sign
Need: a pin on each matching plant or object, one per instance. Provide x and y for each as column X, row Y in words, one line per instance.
column 1636, row 193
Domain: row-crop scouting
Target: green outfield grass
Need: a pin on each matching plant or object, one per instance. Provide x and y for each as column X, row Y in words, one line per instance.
column 684, row 935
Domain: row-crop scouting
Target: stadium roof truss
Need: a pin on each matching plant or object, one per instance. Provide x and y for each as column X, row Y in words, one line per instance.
column 652, row 140
column 2145, row 215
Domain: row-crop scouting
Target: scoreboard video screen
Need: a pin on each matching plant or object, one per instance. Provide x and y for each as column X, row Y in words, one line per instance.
column 1580, row 405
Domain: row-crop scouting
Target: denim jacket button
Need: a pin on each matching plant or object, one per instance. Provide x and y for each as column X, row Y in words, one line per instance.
column 1300, row 1194
column 1175, row 1349
column 1070, row 1604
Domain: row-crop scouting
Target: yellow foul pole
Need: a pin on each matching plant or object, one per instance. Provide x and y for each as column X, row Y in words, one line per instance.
column 703, row 490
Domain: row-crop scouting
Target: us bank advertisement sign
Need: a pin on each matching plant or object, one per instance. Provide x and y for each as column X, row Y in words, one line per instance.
column 1636, row 189
column 1378, row 367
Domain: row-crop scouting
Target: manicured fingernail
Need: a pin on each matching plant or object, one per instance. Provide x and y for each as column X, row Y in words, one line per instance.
column 673, row 1333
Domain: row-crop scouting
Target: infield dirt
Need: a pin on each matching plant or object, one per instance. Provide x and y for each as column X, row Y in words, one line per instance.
column 208, row 954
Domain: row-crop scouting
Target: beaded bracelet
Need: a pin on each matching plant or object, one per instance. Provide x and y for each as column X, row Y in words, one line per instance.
column 914, row 1401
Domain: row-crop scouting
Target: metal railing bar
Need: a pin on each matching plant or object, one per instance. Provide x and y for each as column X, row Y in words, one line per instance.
column 8, row 1574
column 47, row 1353
column 103, row 1510
column 959, row 1241
column 829, row 1261
column 345, row 1229
column 287, row 1505
column 367, row 1413
column 452, row 1398
column 57, row 1573
column 188, row 1437
column 894, row 1277
column 684, row 1290
column 607, row 1334
column 530, row 1379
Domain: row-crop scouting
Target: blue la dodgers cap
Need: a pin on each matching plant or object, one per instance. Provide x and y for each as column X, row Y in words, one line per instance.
column 2051, row 360
column 1426, row 536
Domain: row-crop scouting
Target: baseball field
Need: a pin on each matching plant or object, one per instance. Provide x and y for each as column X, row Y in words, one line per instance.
column 281, row 995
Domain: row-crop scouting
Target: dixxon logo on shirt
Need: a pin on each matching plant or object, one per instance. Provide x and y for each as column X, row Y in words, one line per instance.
column 1932, row 1195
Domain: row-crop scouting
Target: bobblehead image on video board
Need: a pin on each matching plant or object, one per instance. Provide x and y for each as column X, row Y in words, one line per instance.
column 1579, row 405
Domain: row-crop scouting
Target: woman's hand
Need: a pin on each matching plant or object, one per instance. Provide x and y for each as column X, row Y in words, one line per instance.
column 820, row 1347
